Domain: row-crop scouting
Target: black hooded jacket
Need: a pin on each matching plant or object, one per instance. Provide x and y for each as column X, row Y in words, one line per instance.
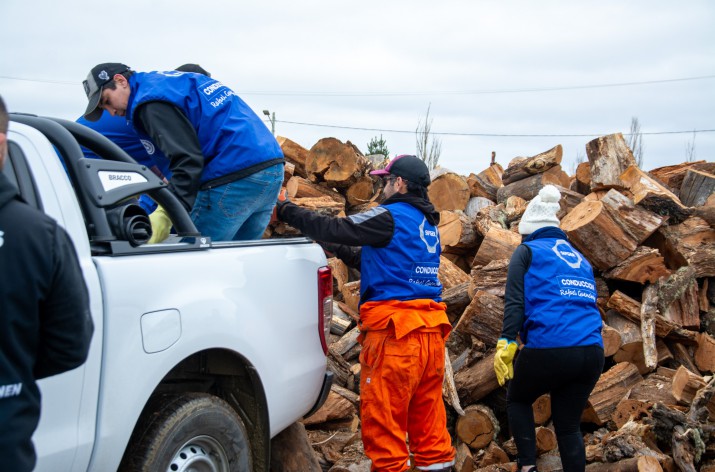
column 45, row 323
column 345, row 236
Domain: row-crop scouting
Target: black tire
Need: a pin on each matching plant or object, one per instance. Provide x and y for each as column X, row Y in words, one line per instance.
column 191, row 431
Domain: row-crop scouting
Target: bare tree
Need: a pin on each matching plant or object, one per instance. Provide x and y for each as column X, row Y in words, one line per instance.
column 690, row 149
column 635, row 141
column 429, row 148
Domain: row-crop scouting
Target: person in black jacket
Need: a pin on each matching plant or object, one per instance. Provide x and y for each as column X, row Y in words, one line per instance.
column 45, row 322
column 550, row 302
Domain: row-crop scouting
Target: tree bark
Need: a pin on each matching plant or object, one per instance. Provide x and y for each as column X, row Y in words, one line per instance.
column 608, row 156
column 533, row 165
column 697, row 187
column 653, row 196
column 609, row 390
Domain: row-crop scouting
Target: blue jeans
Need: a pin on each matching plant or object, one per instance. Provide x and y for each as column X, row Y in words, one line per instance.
column 239, row 210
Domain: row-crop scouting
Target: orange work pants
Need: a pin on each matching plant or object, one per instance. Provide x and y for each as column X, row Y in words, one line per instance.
column 401, row 395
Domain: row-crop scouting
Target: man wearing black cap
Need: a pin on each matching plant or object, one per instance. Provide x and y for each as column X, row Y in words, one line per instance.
column 403, row 323
column 226, row 166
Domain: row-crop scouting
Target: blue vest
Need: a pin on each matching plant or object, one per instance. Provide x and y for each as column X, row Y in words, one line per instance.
column 559, row 297
column 123, row 135
column 231, row 135
column 406, row 269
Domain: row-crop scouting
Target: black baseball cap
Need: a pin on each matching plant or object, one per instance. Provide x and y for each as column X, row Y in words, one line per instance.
column 195, row 68
column 98, row 77
column 410, row 168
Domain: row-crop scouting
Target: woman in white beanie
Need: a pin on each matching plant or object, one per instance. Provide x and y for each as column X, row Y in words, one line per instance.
column 551, row 304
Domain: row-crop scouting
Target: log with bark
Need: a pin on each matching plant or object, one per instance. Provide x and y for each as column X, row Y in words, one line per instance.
column 336, row 163
column 529, row 187
column 644, row 265
column 697, row 187
column 298, row 187
column 691, row 242
column 449, row 191
column 486, row 183
column 589, row 222
column 477, row 427
column 450, row 274
column 457, row 230
column 611, row 387
column 497, row 244
column 672, row 176
column 533, row 165
column 490, row 278
column 608, row 157
column 476, row 381
column 653, row 196
column 482, row 318
column 295, row 154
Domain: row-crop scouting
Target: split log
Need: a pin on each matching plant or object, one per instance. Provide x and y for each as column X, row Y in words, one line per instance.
column 294, row 153
column 476, row 381
column 611, row 340
column 542, row 409
column 346, row 342
column 288, row 171
column 478, row 427
column 341, row 404
column 351, row 295
column 361, row 192
column 611, row 387
column 490, row 217
column 673, row 176
column 655, row 388
column 298, row 187
column 632, row 464
column 493, row 454
column 340, row 321
column 697, row 187
column 486, row 183
column 590, row 222
column 529, row 187
column 608, row 157
column 457, row 230
column 449, row 274
column 582, row 181
column 644, row 265
column 463, row 459
column 629, row 409
column 449, row 191
column 336, row 163
column 490, row 278
column 682, row 356
column 686, row 386
column 653, row 196
column 533, row 165
column 456, row 298
column 705, row 353
column 475, row 204
column 649, row 311
column 690, row 243
column 323, row 205
column 497, row 244
column 638, row 222
column 677, row 298
column 483, row 318
column 514, row 208
column 291, row 451
column 569, row 201
column 545, row 440
column 340, row 272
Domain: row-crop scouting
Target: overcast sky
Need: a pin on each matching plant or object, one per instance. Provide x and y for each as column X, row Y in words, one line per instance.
column 358, row 70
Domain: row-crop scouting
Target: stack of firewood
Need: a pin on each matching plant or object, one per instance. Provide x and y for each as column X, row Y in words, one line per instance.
column 649, row 237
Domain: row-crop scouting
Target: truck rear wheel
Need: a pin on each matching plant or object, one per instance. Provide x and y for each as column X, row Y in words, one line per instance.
column 189, row 432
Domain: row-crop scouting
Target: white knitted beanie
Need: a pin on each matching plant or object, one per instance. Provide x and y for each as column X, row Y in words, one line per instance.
column 541, row 211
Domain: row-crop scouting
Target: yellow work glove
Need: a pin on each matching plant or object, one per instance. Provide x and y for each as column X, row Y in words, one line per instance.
column 160, row 225
column 503, row 357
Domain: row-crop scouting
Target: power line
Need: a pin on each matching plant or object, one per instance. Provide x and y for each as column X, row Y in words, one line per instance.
column 418, row 93
column 492, row 135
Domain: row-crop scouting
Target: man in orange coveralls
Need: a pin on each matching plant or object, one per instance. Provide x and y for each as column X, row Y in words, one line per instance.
column 403, row 323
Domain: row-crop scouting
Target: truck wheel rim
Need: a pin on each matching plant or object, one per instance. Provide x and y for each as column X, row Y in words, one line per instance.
column 200, row 454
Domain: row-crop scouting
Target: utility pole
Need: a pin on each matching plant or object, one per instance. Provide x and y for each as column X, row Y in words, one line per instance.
column 272, row 119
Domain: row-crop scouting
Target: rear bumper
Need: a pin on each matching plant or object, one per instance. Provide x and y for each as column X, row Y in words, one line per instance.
column 324, row 391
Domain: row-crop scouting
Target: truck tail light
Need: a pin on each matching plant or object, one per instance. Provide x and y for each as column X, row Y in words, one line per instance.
column 325, row 305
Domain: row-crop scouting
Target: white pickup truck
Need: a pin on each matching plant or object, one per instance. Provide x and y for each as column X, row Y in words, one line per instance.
column 202, row 351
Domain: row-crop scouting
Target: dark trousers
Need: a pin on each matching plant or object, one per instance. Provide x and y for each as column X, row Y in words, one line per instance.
column 568, row 374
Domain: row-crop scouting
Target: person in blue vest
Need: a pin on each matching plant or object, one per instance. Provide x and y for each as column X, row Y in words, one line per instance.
column 403, row 322
column 226, row 166
column 551, row 304
column 141, row 149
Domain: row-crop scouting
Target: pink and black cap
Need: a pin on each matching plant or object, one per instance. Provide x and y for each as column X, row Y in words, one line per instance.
column 98, row 77
column 410, row 168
